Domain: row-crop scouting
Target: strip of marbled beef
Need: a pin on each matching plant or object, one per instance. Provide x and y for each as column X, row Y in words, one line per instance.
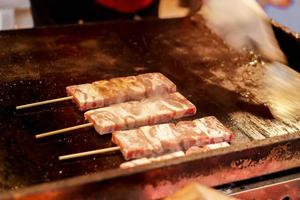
column 116, row 90
column 169, row 156
column 150, row 141
column 134, row 114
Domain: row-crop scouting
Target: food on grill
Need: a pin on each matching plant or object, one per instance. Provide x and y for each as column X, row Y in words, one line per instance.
column 192, row 150
column 134, row 114
column 150, row 141
column 116, row 90
column 195, row 149
column 145, row 161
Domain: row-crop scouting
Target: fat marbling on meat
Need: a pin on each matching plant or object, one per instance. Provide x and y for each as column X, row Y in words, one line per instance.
column 116, row 90
column 134, row 114
column 150, row 141
column 169, row 156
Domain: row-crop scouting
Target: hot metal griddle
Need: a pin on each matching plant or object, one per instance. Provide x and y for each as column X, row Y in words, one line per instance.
column 37, row 64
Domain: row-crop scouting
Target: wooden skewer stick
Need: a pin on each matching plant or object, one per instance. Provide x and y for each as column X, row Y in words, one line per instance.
column 44, row 102
column 89, row 153
column 42, row 135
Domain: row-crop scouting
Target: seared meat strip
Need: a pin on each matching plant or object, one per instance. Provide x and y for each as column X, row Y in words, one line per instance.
column 164, row 138
column 134, row 114
column 116, row 90
column 169, row 156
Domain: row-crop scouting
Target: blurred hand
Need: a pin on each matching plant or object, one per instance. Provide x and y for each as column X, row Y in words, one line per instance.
column 242, row 23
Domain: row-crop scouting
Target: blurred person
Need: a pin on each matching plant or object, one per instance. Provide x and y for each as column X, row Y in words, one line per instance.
column 285, row 12
column 279, row 3
column 51, row 12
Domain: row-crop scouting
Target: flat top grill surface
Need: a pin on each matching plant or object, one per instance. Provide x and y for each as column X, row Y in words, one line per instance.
column 38, row 64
